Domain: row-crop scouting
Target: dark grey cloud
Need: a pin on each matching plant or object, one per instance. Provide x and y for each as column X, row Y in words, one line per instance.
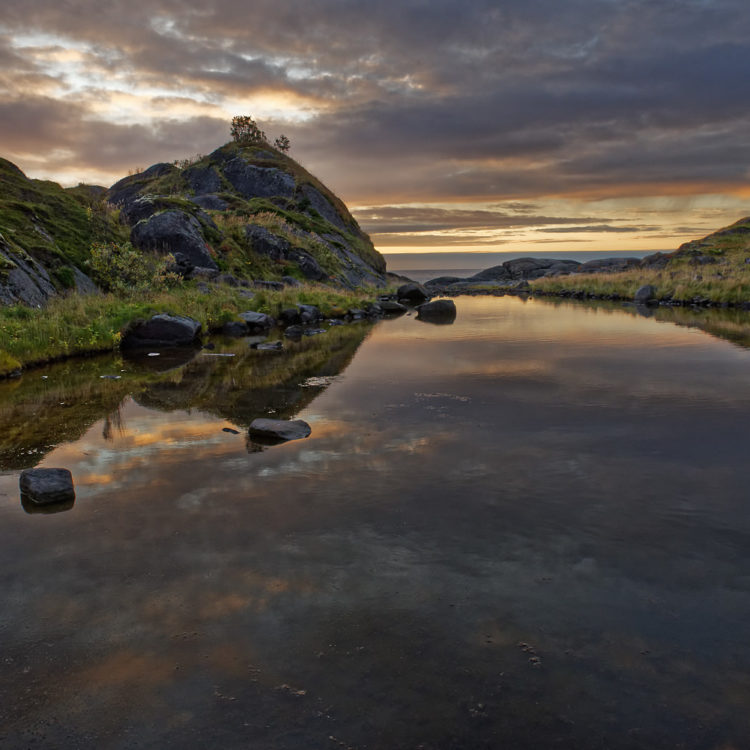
column 595, row 228
column 407, row 219
column 411, row 101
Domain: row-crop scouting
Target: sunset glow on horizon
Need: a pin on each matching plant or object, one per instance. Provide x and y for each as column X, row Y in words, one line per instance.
column 529, row 127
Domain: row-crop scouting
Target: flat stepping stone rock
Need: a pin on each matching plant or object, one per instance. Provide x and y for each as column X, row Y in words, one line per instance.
column 280, row 429
column 47, row 486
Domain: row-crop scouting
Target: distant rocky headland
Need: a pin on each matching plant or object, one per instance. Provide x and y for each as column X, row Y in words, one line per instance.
column 714, row 270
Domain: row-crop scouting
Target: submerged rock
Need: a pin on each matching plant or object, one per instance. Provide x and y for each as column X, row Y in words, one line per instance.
column 279, row 429
column 47, row 486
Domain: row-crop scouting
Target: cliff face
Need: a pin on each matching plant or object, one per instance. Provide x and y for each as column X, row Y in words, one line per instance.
column 250, row 211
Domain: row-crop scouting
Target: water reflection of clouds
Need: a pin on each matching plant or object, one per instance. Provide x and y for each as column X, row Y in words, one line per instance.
column 595, row 533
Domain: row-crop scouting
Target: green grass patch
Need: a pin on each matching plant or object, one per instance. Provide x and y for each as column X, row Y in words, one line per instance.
column 83, row 324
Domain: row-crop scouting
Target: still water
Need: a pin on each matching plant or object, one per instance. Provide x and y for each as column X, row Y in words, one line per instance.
column 528, row 529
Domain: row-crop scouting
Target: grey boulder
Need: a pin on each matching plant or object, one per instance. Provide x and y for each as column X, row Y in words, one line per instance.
column 412, row 293
column 257, row 321
column 437, row 311
column 279, row 429
column 645, row 294
column 47, row 486
column 163, row 330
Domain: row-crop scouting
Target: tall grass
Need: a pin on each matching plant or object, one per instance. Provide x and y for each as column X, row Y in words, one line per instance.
column 79, row 324
column 727, row 281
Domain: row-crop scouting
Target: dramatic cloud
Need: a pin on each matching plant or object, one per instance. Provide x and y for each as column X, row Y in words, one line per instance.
column 482, row 103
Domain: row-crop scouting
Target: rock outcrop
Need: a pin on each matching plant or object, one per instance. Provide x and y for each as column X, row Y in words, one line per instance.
column 253, row 210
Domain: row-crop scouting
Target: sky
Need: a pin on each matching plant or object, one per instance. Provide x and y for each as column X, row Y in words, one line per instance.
column 532, row 126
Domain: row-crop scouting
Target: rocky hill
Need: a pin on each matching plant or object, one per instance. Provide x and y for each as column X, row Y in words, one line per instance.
column 249, row 212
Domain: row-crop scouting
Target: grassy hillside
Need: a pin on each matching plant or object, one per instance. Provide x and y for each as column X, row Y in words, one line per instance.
column 54, row 226
column 715, row 269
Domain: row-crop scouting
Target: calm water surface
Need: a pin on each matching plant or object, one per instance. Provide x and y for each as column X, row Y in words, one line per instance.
column 529, row 529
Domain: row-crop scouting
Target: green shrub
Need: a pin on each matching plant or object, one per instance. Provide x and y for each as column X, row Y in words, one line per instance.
column 122, row 269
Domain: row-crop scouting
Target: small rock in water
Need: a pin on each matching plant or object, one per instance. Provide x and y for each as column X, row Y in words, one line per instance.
column 232, row 431
column 437, row 311
column 269, row 346
column 280, row 429
column 210, row 345
column 46, row 486
column 293, row 332
column 110, row 377
column 313, row 331
column 154, row 354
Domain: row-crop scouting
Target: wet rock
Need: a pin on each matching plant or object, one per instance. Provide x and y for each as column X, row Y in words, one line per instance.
column 437, row 311
column 291, row 281
column 230, row 431
column 290, row 316
column 356, row 314
column 309, row 313
column 234, row 328
column 279, row 429
column 269, row 346
column 313, row 331
column 293, row 332
column 645, row 294
column 391, row 307
column 47, row 486
column 412, row 293
column 163, row 330
column 257, row 321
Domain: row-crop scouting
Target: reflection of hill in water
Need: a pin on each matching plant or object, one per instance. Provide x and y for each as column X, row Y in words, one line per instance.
column 723, row 323
column 38, row 414
column 248, row 385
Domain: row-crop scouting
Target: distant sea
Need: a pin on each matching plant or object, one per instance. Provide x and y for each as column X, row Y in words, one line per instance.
column 425, row 266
